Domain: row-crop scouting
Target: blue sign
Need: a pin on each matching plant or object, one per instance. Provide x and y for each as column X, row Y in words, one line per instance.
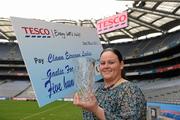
column 48, row 50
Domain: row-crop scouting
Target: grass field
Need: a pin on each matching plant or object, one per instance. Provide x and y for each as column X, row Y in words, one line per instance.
column 29, row 110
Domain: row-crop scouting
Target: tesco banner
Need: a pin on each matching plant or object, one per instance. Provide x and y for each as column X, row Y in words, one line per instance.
column 49, row 51
column 112, row 23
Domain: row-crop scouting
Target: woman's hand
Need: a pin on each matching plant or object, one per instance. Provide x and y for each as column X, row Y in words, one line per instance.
column 90, row 104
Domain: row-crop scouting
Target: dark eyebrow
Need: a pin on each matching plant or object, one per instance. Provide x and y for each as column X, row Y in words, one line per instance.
column 111, row 60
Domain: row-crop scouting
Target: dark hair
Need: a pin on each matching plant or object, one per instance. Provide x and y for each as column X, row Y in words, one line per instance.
column 115, row 51
column 119, row 55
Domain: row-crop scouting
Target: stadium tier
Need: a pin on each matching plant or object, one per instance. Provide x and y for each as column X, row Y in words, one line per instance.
column 157, row 66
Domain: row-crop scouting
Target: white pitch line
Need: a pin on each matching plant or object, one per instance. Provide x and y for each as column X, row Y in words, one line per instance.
column 38, row 113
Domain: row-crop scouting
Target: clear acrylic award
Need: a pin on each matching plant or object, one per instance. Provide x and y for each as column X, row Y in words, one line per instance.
column 84, row 77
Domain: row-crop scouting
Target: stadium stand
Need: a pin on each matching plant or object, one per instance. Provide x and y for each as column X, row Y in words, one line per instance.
column 27, row 93
column 11, row 88
column 162, row 90
column 159, row 84
column 10, row 51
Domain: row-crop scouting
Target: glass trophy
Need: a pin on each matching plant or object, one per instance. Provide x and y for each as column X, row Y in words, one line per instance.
column 84, row 77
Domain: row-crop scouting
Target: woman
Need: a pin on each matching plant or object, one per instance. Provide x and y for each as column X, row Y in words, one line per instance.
column 116, row 98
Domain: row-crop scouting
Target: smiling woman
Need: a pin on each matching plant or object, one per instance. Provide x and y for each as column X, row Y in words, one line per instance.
column 117, row 98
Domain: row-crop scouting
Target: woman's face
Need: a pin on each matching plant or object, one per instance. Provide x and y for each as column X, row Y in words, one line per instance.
column 110, row 67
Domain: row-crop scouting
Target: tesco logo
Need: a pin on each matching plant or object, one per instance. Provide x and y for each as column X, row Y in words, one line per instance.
column 112, row 23
column 36, row 32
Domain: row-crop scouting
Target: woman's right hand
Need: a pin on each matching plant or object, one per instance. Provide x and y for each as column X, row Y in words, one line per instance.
column 90, row 104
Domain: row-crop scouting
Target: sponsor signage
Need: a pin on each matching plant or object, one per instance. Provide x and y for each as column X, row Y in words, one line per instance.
column 112, row 23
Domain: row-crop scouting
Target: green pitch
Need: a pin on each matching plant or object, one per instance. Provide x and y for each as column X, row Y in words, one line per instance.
column 29, row 110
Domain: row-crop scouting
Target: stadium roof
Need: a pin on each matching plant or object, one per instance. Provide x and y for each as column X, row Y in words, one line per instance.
column 144, row 18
